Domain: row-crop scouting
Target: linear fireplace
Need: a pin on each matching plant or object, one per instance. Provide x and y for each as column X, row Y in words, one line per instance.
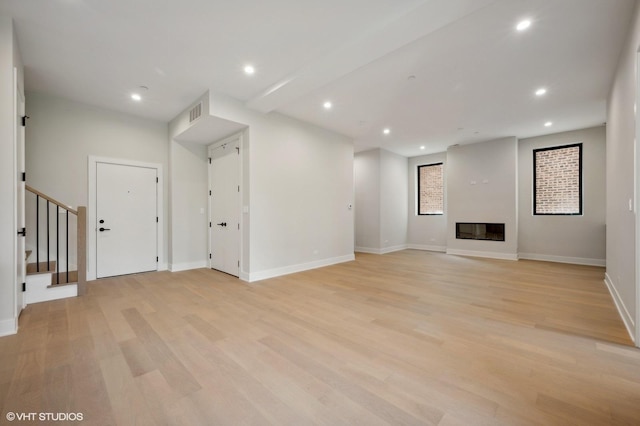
column 480, row 231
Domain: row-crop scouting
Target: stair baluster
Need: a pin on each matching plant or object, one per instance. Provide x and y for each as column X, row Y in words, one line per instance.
column 67, row 255
column 37, row 233
column 68, row 277
column 58, row 245
column 48, row 227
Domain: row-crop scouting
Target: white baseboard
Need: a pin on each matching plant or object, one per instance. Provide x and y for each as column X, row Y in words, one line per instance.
column 441, row 249
column 563, row 259
column 386, row 250
column 185, row 266
column 367, row 250
column 244, row 276
column 163, row 266
column 383, row 250
column 487, row 254
column 276, row 272
column 8, row 327
column 627, row 319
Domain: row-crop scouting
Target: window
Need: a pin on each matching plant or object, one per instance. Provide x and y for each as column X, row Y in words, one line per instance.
column 557, row 180
column 431, row 189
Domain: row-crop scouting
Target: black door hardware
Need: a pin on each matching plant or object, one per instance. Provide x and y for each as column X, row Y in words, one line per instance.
column 222, row 224
column 104, row 229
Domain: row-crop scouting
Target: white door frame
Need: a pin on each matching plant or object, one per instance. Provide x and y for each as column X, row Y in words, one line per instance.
column 636, row 187
column 19, row 102
column 91, row 210
column 239, row 138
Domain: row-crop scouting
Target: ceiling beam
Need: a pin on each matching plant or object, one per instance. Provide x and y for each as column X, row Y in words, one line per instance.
column 419, row 22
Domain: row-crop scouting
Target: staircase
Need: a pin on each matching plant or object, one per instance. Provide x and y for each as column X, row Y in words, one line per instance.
column 57, row 249
column 45, row 283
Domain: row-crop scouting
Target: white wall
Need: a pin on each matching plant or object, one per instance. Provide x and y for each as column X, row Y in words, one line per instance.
column 302, row 185
column 9, row 58
column 61, row 134
column 188, row 192
column 189, row 183
column 381, row 201
column 298, row 185
column 426, row 232
column 189, row 217
column 367, row 200
column 482, row 187
column 394, row 201
column 571, row 239
column 621, row 176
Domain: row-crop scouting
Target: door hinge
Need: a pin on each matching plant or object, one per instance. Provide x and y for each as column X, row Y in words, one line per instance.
column 24, row 120
column 24, row 287
column 209, row 160
column 209, row 255
column 24, row 177
column 209, row 193
column 238, row 188
column 22, row 232
column 156, row 219
column 238, row 263
column 238, row 149
column 209, row 224
column 157, row 259
column 157, row 180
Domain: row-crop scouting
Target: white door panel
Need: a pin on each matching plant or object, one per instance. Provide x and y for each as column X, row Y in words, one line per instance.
column 126, row 219
column 224, row 208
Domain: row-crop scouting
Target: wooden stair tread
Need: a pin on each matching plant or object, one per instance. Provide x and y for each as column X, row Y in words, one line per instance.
column 73, row 278
column 32, row 268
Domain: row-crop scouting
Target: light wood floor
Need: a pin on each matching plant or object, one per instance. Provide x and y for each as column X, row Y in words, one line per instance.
column 405, row 338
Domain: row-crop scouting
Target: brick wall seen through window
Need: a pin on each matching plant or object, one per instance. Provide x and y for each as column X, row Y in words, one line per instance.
column 557, row 180
column 431, row 189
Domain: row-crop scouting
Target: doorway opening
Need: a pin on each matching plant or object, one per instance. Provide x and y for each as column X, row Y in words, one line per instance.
column 225, row 205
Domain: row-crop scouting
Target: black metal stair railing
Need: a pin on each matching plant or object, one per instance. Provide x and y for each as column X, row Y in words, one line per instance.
column 39, row 198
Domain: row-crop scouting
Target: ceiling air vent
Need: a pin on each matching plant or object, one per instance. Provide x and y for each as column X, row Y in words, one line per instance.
column 195, row 112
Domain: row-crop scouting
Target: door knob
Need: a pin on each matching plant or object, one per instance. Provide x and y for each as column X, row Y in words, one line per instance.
column 104, row 229
column 222, row 224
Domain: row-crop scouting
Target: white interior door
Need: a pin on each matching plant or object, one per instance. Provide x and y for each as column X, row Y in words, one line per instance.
column 224, row 207
column 126, row 219
column 21, row 262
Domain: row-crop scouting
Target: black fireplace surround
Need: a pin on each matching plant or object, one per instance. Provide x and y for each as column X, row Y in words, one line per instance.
column 480, row 231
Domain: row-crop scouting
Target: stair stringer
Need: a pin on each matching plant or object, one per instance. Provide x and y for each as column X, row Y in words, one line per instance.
column 39, row 289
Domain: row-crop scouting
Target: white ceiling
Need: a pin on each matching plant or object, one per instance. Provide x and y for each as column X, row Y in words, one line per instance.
column 474, row 74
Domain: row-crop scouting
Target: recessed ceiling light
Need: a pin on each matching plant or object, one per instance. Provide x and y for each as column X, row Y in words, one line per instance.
column 422, row 147
column 523, row 25
column 327, row 105
column 541, row 91
column 548, row 124
column 386, row 131
column 249, row 69
column 136, row 97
